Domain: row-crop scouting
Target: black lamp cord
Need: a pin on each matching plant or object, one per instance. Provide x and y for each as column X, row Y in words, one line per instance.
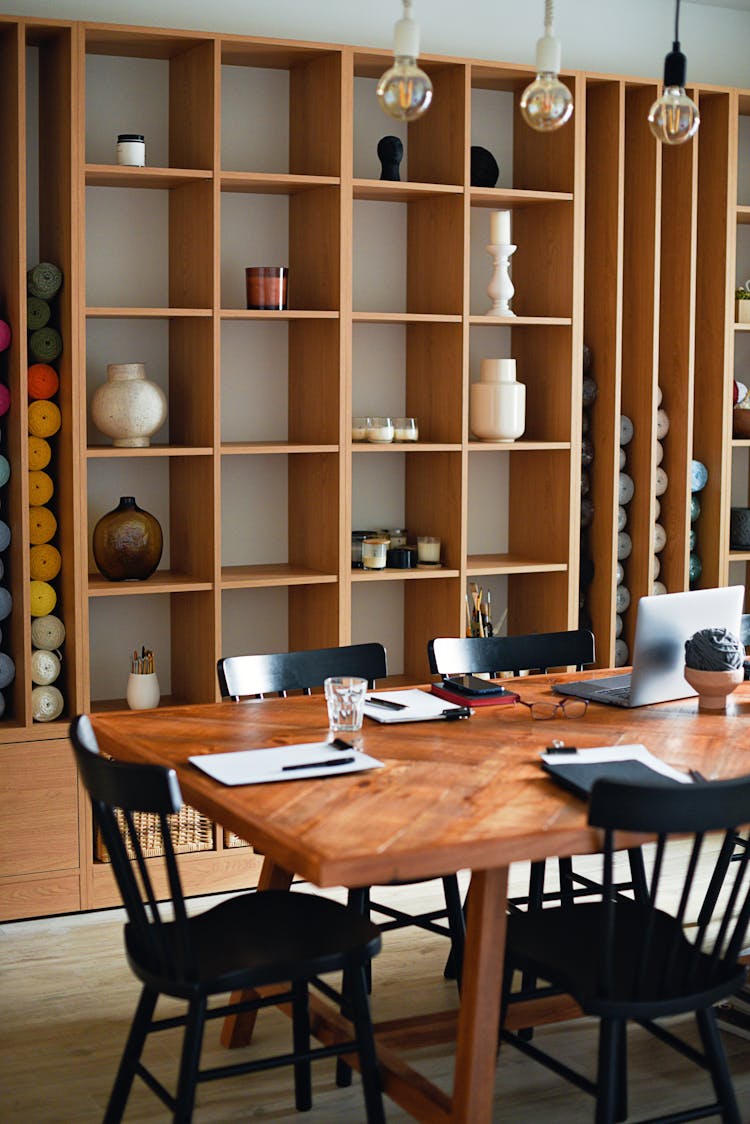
column 676, row 43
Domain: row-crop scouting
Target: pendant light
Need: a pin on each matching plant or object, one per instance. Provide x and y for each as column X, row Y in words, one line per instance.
column 405, row 91
column 547, row 103
column 674, row 117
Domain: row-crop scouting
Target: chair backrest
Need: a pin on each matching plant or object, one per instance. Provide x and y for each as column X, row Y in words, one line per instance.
column 119, row 792
column 457, row 655
column 745, row 629
column 670, row 964
column 282, row 672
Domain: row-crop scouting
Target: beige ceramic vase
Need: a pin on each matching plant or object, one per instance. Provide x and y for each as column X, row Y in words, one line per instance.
column 128, row 407
column 714, row 687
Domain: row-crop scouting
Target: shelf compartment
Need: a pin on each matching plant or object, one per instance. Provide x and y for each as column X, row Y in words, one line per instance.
column 121, row 175
column 162, row 581
column 281, row 617
column 265, row 183
column 511, row 198
column 263, row 448
column 400, row 191
column 267, row 575
column 478, row 564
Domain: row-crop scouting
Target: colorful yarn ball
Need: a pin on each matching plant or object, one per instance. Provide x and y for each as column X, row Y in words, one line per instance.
column 698, row 476
column 42, row 525
column 45, row 667
column 7, row 670
column 47, row 632
column 4, row 471
column 38, row 313
column 5, row 335
column 45, row 345
column 43, row 381
column 40, row 453
column 43, row 598
column 44, row 418
column 41, row 488
column 4, row 399
column 45, row 562
column 4, row 536
column 6, row 603
column 46, row 704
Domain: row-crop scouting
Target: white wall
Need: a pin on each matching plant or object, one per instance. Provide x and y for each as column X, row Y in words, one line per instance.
column 615, row 36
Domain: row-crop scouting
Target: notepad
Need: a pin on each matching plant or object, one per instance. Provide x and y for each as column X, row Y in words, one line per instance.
column 283, row 763
column 414, row 706
column 578, row 770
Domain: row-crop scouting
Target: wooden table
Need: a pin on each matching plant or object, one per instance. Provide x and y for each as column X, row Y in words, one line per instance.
column 452, row 796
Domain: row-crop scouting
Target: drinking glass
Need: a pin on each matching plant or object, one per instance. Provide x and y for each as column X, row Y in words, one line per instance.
column 345, row 697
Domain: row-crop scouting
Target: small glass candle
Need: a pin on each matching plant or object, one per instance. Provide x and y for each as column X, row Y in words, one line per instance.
column 428, row 551
column 266, row 287
column 405, row 429
column 360, row 427
column 374, row 553
column 380, row 431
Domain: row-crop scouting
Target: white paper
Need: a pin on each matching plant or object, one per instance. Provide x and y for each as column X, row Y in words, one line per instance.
column 260, row 766
column 421, row 706
column 605, row 753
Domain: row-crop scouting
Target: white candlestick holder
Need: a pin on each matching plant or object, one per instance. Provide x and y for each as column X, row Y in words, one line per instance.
column 500, row 289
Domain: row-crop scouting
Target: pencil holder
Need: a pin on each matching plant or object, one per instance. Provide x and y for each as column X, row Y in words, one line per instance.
column 143, row 691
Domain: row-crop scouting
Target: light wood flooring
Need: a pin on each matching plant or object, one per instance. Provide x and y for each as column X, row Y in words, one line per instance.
column 67, row 996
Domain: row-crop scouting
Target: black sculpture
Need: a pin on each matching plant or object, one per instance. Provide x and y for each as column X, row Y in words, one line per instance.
column 484, row 167
column 390, row 155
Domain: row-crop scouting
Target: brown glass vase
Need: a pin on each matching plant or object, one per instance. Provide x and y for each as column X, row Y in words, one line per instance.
column 127, row 542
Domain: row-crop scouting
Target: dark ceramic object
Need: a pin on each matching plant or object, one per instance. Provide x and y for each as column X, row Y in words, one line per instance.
column 739, row 528
column 127, row 542
column 484, row 167
column 390, row 155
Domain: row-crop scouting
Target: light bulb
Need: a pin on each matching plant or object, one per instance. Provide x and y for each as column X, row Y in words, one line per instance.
column 674, row 117
column 547, row 103
column 405, row 91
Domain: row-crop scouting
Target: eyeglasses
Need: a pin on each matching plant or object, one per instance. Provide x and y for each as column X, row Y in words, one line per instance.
column 565, row 708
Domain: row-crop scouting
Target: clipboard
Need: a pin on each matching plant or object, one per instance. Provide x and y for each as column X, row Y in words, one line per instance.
column 283, row 763
column 578, row 770
column 411, row 706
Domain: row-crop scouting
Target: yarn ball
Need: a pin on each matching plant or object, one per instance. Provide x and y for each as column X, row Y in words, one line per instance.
column 662, row 482
column 45, row 667
column 44, row 418
column 43, row 598
column 38, row 313
column 41, row 488
column 587, row 511
column 2, row 705
column 43, row 381
column 587, row 452
column 621, row 653
column 45, row 562
column 625, row 488
column 6, row 603
column 588, row 359
column 622, row 599
column 44, row 280
column 662, row 424
column 4, row 470
column 590, row 390
column 7, row 670
column 698, row 476
column 45, row 344
column 626, row 429
column 47, row 632
column 46, row 704
column 4, row 399
column 714, row 649
column 659, row 589
column 5, row 335
column 4, row 536
column 42, row 525
column 624, row 545
column 695, row 508
column 695, row 568
column 40, row 453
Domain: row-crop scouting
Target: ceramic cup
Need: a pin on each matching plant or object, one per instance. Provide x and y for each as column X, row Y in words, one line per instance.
column 345, row 698
column 143, row 691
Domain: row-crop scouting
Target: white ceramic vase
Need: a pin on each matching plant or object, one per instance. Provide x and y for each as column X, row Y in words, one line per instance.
column 128, row 407
column 498, row 402
column 143, row 691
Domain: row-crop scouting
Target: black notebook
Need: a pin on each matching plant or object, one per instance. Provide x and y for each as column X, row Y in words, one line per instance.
column 577, row 770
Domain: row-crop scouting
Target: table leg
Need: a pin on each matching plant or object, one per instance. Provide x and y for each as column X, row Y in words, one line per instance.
column 237, row 1030
column 479, row 1013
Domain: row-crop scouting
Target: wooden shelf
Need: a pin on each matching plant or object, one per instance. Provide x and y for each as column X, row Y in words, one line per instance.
column 477, row 564
column 517, row 446
column 262, row 183
column 390, row 191
column 389, row 575
column 109, row 452
column 404, row 318
column 404, row 447
column 521, row 321
column 274, row 314
column 510, row 199
column 146, row 313
column 743, row 214
column 163, row 581
column 273, row 574
column 119, row 175
column 250, row 448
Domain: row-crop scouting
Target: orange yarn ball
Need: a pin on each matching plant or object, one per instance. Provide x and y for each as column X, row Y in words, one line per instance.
column 44, row 418
column 41, row 488
column 43, row 381
column 45, row 561
column 40, row 453
column 42, row 525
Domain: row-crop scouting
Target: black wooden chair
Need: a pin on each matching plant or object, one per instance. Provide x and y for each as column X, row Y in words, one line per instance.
column 253, row 940
column 282, row 672
column 625, row 959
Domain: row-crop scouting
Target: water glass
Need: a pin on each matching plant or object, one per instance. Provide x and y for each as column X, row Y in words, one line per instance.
column 345, row 697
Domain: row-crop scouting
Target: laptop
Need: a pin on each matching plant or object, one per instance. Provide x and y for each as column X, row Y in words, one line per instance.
column 663, row 624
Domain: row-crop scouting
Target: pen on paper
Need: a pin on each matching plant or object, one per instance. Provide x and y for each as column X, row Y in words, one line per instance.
column 318, row 764
column 387, row 704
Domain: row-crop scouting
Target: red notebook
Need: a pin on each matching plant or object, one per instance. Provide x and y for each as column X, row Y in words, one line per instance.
column 473, row 700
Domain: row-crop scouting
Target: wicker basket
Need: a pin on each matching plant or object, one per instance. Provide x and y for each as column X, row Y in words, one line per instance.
column 191, row 831
column 232, row 840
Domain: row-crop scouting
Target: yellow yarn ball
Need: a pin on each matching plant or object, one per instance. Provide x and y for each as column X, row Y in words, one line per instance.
column 40, row 453
column 42, row 525
column 41, row 488
column 44, row 418
column 43, row 599
column 45, row 562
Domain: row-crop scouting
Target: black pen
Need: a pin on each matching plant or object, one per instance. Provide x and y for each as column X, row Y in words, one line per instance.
column 387, row 704
column 457, row 712
column 318, row 764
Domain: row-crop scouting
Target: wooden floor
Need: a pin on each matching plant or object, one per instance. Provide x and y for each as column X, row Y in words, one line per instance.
column 67, row 996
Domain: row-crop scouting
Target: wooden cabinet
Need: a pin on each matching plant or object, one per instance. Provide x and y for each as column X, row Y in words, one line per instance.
column 263, row 152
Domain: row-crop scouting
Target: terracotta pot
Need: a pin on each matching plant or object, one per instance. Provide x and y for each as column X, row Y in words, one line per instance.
column 713, row 687
column 127, row 542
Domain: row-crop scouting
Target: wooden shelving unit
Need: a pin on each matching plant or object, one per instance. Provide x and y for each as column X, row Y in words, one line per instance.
column 255, row 478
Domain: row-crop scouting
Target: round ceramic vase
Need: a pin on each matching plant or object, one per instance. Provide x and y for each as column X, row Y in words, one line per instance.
column 128, row 407
column 142, row 691
column 498, row 402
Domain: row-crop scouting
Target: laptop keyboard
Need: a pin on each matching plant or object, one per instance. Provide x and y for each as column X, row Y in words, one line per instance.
column 617, row 696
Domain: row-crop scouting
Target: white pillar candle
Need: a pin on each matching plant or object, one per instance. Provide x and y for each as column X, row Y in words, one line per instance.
column 500, row 228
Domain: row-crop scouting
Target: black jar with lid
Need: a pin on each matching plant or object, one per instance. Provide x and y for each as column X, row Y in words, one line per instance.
column 358, row 537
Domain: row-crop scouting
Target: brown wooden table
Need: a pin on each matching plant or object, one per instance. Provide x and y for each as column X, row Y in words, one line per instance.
column 452, row 796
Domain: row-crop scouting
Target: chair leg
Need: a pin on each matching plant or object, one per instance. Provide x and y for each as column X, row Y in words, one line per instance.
column 118, row 1098
column 368, row 1058
column 717, row 1065
column 190, row 1060
column 358, row 900
column 609, row 1078
column 343, row 1069
column 457, row 924
column 536, row 900
column 301, row 1041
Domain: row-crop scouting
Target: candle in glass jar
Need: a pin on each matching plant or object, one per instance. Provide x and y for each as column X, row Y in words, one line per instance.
column 428, row 551
column 500, row 228
column 380, row 431
column 405, row 429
